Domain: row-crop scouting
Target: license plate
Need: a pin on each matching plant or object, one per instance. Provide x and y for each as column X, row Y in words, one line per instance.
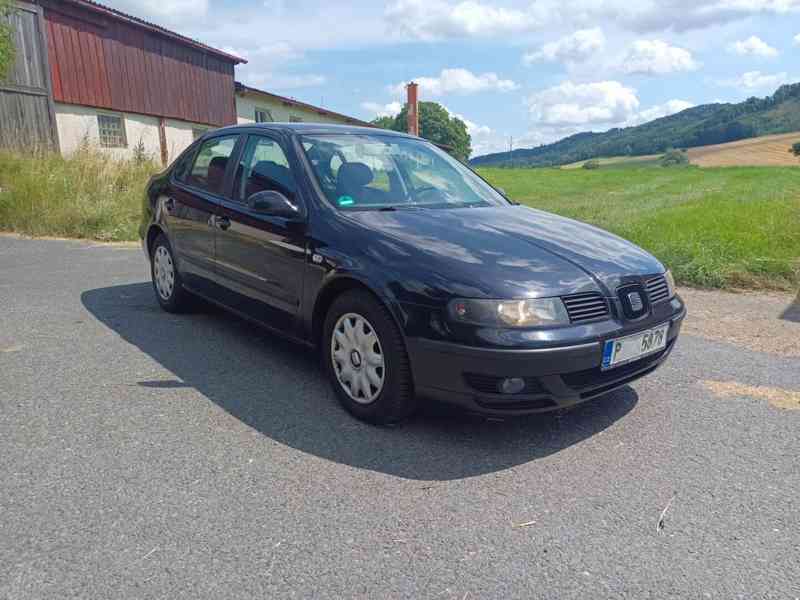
column 633, row 347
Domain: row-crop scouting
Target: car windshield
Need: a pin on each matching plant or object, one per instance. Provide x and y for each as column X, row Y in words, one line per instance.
column 383, row 172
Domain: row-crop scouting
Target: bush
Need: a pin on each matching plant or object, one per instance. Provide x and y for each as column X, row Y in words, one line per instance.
column 591, row 164
column 85, row 195
column 674, row 158
column 795, row 149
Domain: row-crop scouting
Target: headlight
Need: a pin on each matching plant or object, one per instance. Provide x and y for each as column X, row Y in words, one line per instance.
column 541, row 312
column 670, row 283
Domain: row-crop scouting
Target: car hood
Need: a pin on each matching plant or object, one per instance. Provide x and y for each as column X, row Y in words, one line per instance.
column 500, row 252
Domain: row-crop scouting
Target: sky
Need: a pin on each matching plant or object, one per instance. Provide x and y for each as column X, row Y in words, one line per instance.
column 524, row 72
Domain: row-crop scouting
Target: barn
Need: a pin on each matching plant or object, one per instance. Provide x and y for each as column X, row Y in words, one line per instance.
column 86, row 73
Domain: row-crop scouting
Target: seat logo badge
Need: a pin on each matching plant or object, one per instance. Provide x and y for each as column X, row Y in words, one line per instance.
column 635, row 301
column 316, row 259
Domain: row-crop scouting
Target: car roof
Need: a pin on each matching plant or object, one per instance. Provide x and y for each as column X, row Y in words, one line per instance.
column 310, row 128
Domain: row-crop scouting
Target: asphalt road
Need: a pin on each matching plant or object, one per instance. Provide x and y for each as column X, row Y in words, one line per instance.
column 146, row 455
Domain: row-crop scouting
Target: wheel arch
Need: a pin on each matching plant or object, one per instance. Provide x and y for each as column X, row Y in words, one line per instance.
column 335, row 288
column 152, row 233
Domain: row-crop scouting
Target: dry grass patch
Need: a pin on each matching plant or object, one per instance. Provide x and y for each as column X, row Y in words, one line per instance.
column 768, row 150
column 776, row 397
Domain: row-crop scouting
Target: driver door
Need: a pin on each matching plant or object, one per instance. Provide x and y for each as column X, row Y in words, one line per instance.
column 260, row 259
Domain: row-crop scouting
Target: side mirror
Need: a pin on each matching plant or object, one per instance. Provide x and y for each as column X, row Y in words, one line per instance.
column 502, row 192
column 273, row 204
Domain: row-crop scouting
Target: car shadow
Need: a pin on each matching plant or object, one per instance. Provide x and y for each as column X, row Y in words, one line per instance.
column 279, row 389
column 792, row 312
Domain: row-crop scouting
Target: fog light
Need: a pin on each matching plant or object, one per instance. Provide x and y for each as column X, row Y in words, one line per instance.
column 512, row 385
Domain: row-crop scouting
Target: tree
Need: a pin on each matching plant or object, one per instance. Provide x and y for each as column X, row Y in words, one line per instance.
column 436, row 125
column 674, row 158
column 591, row 165
column 6, row 39
column 795, row 149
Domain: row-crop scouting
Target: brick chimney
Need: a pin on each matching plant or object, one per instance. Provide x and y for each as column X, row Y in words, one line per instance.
column 413, row 108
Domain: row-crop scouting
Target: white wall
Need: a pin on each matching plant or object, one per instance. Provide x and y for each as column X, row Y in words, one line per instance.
column 246, row 111
column 79, row 123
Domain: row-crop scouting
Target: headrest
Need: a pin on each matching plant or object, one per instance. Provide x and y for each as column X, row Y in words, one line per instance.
column 218, row 163
column 354, row 174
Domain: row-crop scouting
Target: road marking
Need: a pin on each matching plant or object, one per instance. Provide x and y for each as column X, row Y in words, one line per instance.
column 11, row 349
column 777, row 397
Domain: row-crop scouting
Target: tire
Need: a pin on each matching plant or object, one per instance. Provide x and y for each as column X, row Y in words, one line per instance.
column 378, row 394
column 167, row 283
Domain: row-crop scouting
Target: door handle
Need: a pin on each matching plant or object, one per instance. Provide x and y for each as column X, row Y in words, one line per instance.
column 169, row 204
column 222, row 222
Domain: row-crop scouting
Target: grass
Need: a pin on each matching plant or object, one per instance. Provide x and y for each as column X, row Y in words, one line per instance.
column 87, row 195
column 714, row 227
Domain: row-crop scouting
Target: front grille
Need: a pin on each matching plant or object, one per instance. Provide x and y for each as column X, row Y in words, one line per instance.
column 530, row 404
column 657, row 290
column 586, row 307
column 490, row 384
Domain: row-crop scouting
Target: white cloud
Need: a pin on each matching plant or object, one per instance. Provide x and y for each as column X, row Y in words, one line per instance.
column 164, row 9
column 577, row 47
column 458, row 81
column 603, row 103
column 797, row 40
column 753, row 46
column 658, row 111
column 274, row 52
column 757, row 80
column 382, row 110
column 656, row 57
column 436, row 19
column 684, row 15
column 442, row 19
column 281, row 81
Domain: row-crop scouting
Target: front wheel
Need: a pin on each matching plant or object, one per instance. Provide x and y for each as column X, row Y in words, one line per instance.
column 166, row 279
column 366, row 360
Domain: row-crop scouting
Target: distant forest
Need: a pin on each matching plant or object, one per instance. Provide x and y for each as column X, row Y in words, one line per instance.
column 698, row 126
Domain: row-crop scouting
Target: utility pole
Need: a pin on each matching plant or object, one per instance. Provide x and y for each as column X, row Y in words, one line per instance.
column 511, row 150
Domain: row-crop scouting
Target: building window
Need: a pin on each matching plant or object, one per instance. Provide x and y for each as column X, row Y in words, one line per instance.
column 112, row 131
column 294, row 119
column 263, row 116
column 198, row 132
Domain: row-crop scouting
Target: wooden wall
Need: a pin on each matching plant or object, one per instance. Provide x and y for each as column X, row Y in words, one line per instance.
column 27, row 120
column 107, row 63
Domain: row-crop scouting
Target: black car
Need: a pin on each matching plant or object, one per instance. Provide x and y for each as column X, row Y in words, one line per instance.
column 414, row 277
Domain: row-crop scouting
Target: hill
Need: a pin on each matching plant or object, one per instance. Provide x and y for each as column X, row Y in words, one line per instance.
column 703, row 125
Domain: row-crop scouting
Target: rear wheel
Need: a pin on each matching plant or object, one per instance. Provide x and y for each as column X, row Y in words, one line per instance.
column 366, row 360
column 166, row 279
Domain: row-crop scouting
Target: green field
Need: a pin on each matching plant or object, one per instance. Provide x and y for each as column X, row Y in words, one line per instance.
column 716, row 227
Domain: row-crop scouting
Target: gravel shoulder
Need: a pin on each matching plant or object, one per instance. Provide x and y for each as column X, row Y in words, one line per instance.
column 760, row 321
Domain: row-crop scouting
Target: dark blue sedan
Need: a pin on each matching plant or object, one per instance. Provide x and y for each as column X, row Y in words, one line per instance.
column 414, row 277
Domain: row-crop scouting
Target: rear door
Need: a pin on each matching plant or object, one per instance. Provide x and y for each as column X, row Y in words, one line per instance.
column 196, row 187
column 261, row 259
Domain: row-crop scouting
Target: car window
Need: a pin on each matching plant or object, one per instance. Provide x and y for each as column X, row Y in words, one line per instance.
column 183, row 166
column 263, row 167
column 208, row 170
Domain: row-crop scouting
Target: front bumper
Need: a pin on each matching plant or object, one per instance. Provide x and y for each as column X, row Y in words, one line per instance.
column 555, row 377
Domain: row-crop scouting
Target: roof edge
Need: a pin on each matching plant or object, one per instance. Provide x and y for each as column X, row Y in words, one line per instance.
column 244, row 89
